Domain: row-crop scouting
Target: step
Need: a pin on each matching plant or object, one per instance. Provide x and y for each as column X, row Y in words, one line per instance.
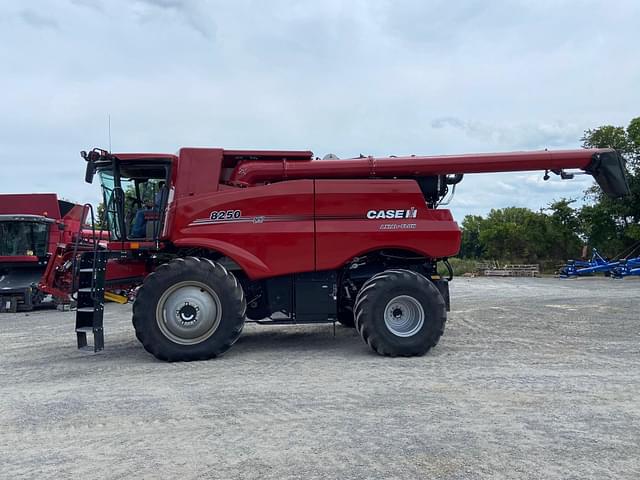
column 84, row 329
column 89, row 349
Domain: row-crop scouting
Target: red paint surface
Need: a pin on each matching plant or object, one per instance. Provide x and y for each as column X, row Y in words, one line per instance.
column 343, row 231
column 19, row 259
column 44, row 204
column 292, row 238
column 119, row 271
column 282, row 242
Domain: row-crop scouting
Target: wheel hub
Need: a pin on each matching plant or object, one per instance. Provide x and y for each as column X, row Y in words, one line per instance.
column 188, row 312
column 404, row 316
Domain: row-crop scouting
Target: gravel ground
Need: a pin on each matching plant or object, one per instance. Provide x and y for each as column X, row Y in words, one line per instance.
column 534, row 378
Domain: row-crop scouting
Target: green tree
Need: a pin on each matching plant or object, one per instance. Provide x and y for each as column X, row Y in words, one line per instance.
column 101, row 222
column 606, row 136
column 515, row 234
column 521, row 235
column 470, row 246
column 563, row 228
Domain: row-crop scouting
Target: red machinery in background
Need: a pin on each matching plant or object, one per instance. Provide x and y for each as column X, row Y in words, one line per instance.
column 31, row 228
column 39, row 234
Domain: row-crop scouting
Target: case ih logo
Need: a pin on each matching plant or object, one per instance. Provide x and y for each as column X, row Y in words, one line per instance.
column 390, row 214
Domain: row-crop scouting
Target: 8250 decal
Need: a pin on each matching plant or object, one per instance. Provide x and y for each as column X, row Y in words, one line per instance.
column 225, row 215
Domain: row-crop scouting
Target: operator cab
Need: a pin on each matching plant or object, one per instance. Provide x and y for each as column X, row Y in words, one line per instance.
column 135, row 193
column 24, row 236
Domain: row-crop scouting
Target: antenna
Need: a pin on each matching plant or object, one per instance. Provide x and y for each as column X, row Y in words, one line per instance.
column 109, row 122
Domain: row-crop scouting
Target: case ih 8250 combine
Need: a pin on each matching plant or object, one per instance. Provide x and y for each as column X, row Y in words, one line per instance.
column 279, row 237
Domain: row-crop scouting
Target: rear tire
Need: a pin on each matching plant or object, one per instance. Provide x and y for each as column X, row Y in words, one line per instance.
column 400, row 313
column 189, row 309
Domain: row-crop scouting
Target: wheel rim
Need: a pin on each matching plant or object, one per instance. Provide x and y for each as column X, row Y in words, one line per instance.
column 404, row 316
column 188, row 312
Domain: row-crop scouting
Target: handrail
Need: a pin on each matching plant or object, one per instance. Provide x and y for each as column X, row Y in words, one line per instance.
column 86, row 208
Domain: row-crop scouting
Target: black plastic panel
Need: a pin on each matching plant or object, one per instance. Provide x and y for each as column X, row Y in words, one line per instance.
column 279, row 293
column 316, row 296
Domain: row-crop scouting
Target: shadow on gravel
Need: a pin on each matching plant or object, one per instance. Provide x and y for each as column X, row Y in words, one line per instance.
column 123, row 352
column 267, row 340
column 272, row 339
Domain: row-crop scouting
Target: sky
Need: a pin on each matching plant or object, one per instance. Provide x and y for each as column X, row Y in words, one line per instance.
column 374, row 77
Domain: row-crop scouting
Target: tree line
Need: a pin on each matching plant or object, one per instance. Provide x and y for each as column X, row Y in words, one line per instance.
column 560, row 231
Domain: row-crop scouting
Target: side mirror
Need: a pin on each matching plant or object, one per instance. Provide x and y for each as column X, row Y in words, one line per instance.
column 91, row 169
column 89, row 172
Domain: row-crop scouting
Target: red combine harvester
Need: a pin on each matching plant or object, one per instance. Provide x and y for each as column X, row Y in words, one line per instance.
column 31, row 228
column 278, row 237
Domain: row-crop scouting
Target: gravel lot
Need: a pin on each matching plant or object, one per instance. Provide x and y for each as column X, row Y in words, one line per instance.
column 534, row 378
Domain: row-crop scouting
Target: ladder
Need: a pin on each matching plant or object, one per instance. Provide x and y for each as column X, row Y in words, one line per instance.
column 92, row 267
column 89, row 280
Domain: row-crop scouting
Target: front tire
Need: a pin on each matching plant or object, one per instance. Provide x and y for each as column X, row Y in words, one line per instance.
column 400, row 313
column 189, row 309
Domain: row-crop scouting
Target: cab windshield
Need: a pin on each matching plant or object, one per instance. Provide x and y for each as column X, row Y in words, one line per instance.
column 20, row 238
column 135, row 197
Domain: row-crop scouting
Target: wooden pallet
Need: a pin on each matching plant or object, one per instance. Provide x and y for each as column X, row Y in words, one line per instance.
column 523, row 270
